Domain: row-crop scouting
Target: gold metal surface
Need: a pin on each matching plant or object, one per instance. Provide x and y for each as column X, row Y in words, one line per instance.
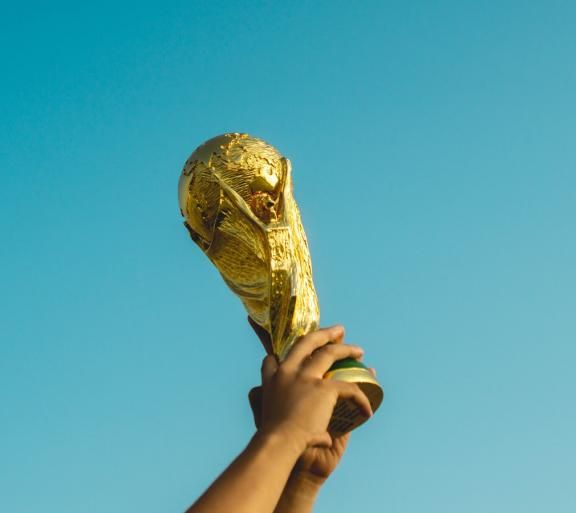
column 236, row 197
column 347, row 416
column 235, row 194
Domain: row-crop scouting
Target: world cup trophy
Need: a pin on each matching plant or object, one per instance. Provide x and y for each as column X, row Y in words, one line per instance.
column 236, row 196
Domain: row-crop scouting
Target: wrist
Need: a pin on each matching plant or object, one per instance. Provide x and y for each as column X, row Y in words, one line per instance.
column 283, row 437
column 304, row 484
column 287, row 435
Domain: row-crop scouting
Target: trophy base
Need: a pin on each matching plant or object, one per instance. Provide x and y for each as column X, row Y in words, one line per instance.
column 347, row 416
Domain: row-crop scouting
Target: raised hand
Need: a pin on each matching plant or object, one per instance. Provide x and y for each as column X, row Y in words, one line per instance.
column 283, row 465
column 312, row 356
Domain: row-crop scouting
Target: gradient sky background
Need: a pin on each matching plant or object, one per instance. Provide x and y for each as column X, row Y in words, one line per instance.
column 435, row 165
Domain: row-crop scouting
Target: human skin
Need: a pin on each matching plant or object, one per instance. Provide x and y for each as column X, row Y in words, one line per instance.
column 296, row 406
column 310, row 472
column 315, row 464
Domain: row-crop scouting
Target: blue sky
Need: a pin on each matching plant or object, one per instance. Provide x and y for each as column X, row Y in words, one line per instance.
column 434, row 162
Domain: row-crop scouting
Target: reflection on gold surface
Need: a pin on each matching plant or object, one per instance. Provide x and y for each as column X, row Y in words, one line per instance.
column 235, row 193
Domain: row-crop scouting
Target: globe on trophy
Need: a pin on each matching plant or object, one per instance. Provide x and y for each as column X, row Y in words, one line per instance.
column 236, row 197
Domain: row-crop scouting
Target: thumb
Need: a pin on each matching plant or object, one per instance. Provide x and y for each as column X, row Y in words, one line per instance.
column 269, row 368
column 255, row 399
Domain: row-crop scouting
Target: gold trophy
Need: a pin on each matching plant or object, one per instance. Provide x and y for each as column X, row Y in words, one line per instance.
column 235, row 194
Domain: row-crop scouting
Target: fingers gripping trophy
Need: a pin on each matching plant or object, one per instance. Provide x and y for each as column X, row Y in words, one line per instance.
column 235, row 194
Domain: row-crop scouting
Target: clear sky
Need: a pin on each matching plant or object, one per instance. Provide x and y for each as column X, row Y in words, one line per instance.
column 434, row 156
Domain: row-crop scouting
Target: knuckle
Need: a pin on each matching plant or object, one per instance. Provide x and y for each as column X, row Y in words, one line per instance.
column 337, row 329
column 352, row 348
column 282, row 372
column 265, row 362
column 353, row 388
column 329, row 349
column 333, row 348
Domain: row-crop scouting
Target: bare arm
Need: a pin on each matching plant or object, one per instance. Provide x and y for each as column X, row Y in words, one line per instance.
column 255, row 480
column 297, row 404
column 309, row 474
column 299, row 495
column 314, row 466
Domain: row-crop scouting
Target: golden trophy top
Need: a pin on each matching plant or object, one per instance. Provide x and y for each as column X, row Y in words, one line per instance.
column 236, row 197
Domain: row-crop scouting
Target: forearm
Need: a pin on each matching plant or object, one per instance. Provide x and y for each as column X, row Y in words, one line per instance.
column 254, row 482
column 299, row 495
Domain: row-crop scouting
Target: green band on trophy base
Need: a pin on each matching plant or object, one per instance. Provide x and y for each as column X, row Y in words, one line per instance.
column 347, row 363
